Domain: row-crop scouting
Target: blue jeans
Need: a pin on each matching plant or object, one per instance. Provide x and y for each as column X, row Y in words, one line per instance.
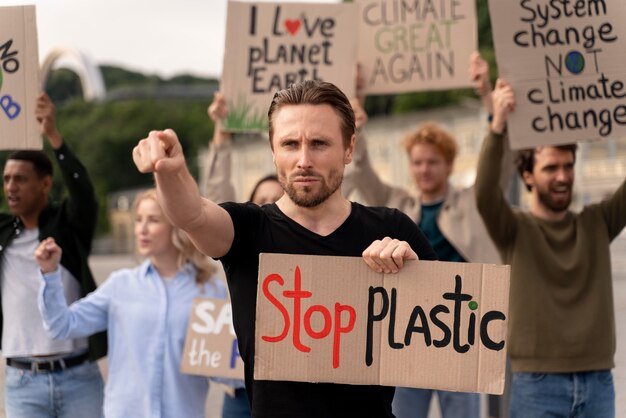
column 414, row 403
column 236, row 406
column 567, row 395
column 70, row 393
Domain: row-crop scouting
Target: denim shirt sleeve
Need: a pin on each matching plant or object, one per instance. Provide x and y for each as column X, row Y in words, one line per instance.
column 83, row 318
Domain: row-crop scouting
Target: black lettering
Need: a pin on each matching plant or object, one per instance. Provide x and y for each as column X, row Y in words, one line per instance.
column 276, row 25
column 423, row 328
column 484, row 332
column 372, row 317
column 447, row 335
column 458, row 298
column 392, row 323
column 253, row 20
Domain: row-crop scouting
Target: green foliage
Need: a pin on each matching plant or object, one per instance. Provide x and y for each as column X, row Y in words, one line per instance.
column 115, row 77
column 485, row 40
column 63, row 84
column 243, row 117
column 103, row 136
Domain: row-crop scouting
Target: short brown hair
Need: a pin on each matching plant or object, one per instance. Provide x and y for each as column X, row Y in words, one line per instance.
column 315, row 92
column 525, row 159
column 432, row 134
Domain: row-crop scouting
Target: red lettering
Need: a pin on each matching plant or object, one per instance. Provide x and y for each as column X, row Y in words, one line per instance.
column 328, row 322
column 297, row 294
column 279, row 306
column 339, row 329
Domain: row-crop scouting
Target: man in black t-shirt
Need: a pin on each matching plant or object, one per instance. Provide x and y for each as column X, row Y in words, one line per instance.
column 312, row 136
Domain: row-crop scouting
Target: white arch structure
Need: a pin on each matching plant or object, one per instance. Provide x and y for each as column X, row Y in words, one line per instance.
column 90, row 76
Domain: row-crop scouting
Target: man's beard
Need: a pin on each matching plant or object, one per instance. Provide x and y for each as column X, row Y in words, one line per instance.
column 555, row 206
column 305, row 197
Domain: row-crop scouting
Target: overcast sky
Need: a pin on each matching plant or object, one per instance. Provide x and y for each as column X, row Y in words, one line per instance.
column 164, row 37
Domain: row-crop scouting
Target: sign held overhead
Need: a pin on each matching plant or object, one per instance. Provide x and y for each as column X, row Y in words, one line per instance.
column 566, row 65
column 19, row 78
column 270, row 46
column 416, row 45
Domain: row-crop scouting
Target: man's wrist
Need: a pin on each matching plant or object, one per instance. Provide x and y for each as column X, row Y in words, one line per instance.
column 55, row 139
column 49, row 273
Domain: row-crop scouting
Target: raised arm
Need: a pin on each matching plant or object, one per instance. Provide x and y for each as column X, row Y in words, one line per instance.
column 208, row 225
column 614, row 211
column 215, row 176
column 85, row 317
column 361, row 176
column 479, row 76
column 492, row 206
column 81, row 205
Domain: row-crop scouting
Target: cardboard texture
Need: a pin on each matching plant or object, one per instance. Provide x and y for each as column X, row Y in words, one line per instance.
column 304, row 331
column 19, row 78
column 566, row 64
column 270, row 46
column 416, row 45
column 211, row 345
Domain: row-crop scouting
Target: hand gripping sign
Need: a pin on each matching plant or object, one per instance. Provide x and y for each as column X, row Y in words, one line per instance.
column 434, row 325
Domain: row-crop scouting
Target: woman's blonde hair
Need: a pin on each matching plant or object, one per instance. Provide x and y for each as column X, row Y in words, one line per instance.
column 187, row 252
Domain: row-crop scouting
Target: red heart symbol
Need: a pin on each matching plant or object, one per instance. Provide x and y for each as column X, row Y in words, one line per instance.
column 292, row 25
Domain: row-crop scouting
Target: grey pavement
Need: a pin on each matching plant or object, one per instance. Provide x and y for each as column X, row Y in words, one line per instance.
column 103, row 265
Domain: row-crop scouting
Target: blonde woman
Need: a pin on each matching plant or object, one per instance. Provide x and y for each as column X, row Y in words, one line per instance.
column 145, row 310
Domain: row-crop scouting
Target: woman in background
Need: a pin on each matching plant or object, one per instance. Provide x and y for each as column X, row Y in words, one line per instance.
column 145, row 310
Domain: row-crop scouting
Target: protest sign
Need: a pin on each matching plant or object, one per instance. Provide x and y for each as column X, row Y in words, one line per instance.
column 19, row 78
column 332, row 319
column 416, row 45
column 566, row 65
column 211, row 345
column 270, row 46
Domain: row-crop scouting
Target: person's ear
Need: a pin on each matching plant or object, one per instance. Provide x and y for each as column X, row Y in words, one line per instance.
column 347, row 159
column 529, row 179
column 47, row 183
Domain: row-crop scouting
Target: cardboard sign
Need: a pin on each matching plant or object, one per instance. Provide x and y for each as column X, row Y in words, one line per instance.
column 566, row 63
column 270, row 46
column 19, row 78
column 416, row 45
column 211, row 345
column 333, row 319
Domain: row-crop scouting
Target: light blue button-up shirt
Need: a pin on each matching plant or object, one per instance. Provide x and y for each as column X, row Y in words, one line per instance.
column 146, row 319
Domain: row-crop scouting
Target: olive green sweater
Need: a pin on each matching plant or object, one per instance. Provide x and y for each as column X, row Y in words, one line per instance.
column 561, row 300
